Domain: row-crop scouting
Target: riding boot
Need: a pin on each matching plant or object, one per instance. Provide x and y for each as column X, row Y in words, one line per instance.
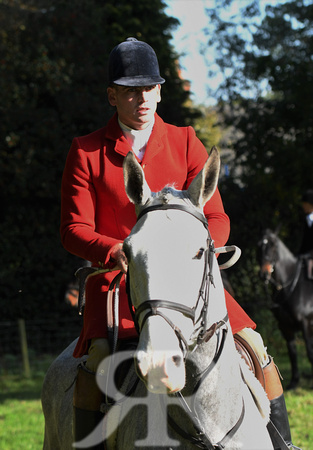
column 87, row 401
column 279, row 415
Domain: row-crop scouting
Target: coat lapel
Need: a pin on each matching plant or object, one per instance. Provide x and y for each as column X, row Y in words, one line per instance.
column 114, row 133
column 155, row 143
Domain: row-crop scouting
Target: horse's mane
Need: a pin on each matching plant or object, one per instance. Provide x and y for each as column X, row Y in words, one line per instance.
column 281, row 246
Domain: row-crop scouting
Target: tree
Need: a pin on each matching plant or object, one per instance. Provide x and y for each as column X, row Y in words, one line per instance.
column 267, row 98
column 53, row 87
column 206, row 127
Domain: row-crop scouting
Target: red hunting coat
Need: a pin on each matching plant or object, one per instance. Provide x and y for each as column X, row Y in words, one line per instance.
column 96, row 213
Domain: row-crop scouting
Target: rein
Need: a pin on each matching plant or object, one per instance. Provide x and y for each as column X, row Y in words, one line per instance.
column 201, row 440
column 292, row 283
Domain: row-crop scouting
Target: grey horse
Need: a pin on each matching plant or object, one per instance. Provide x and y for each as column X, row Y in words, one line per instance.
column 192, row 389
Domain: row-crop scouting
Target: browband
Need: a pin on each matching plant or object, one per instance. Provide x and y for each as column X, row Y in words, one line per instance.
column 188, row 209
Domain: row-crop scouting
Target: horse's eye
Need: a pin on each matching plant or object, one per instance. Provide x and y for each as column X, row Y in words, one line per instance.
column 199, row 253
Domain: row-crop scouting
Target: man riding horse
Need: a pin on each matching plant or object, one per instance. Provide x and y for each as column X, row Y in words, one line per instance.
column 97, row 216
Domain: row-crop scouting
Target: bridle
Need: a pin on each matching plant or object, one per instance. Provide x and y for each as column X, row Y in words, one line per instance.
column 152, row 308
column 269, row 276
column 271, row 263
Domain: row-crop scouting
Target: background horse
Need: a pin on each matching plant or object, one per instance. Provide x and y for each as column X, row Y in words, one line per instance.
column 200, row 392
column 293, row 300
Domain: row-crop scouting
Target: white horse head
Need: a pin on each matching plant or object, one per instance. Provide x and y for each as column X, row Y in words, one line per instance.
column 165, row 265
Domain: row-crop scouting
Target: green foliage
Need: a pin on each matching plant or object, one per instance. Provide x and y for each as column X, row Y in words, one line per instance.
column 53, row 83
column 266, row 98
column 206, row 127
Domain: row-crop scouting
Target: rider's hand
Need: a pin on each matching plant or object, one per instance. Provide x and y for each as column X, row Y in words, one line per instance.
column 119, row 257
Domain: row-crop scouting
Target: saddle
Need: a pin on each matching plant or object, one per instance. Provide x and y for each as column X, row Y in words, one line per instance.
column 249, row 356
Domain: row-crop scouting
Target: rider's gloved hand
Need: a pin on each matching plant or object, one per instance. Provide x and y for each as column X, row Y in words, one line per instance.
column 119, row 258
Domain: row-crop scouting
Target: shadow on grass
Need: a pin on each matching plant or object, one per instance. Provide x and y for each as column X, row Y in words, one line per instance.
column 15, row 385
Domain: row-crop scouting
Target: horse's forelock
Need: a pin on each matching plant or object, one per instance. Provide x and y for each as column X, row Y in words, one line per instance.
column 168, row 193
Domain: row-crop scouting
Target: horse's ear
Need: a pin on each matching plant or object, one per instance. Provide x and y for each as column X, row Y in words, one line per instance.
column 204, row 184
column 136, row 187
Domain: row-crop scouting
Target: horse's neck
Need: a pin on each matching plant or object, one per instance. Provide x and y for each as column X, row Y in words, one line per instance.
column 286, row 263
column 218, row 398
column 216, row 378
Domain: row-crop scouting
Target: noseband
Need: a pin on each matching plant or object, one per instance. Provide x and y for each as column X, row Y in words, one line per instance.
column 152, row 307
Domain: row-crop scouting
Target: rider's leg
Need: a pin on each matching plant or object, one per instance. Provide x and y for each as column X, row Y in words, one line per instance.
column 88, row 397
column 273, row 386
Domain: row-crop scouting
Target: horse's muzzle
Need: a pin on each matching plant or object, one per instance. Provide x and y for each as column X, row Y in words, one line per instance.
column 161, row 371
column 266, row 272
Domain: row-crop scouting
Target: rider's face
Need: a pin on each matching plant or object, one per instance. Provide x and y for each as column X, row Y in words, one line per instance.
column 135, row 105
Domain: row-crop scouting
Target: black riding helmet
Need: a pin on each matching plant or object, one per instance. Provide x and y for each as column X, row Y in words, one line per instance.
column 134, row 63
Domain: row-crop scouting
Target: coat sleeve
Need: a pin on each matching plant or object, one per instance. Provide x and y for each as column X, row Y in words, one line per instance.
column 78, row 210
column 218, row 220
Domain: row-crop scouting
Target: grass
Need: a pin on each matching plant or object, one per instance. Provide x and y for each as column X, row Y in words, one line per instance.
column 21, row 418
column 300, row 400
column 22, row 422
column 300, row 410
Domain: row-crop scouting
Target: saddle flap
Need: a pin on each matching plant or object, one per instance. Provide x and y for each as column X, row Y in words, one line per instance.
column 249, row 356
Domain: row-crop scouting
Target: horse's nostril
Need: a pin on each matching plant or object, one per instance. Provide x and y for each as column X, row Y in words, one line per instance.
column 177, row 360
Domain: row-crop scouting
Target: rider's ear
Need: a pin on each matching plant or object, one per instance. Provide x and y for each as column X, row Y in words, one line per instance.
column 204, row 184
column 136, row 187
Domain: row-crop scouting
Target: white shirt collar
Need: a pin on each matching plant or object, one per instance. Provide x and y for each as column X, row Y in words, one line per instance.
column 137, row 139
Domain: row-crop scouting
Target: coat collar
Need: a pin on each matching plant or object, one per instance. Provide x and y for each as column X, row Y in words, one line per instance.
column 155, row 144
